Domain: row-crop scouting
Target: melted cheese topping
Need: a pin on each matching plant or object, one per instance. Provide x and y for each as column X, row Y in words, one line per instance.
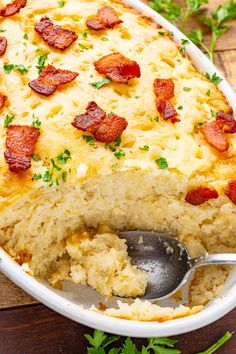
column 137, row 38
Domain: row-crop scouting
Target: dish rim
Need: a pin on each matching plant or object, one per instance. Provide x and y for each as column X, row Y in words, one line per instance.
column 209, row 314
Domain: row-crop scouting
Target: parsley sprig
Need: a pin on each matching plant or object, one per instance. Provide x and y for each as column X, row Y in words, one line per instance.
column 217, row 20
column 100, row 343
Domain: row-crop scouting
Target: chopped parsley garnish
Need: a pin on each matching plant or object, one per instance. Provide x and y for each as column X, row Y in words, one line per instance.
column 63, row 176
column 187, row 89
column 215, row 80
column 202, row 123
column 171, row 34
column 21, row 68
column 89, row 139
column 162, row 163
column 119, row 154
column 37, row 176
column 213, row 113
column 83, row 47
column 101, row 83
column 184, row 41
column 35, row 158
column 104, row 39
column 8, row 68
column 137, row 97
column 161, row 33
column 180, row 108
column 144, row 148
column 182, row 51
column 36, row 122
column 118, row 141
column 54, row 165
column 84, row 34
column 41, row 62
column 26, row 37
column 64, row 157
column 8, row 120
column 208, row 93
column 47, row 177
column 61, row 3
column 2, row 30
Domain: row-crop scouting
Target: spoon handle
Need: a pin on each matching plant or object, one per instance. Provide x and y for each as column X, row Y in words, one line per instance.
column 221, row 258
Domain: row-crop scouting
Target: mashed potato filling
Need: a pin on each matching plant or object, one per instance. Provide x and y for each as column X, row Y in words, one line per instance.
column 48, row 213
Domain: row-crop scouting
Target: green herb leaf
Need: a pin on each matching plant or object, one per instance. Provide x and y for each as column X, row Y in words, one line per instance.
column 84, row 47
column 162, row 163
column 169, row 9
column 61, row 3
column 208, row 93
column 161, row 33
column 187, row 89
column 89, row 139
column 118, row 141
column 97, row 339
column 54, row 165
column 129, row 347
column 182, row 51
column 184, row 41
column 213, row 113
column 101, row 83
column 35, row 158
column 8, row 120
column 41, row 62
column 26, row 37
column 36, row 122
column 64, row 157
column 64, row 176
column 144, row 148
column 21, row 68
column 180, row 108
column 119, row 154
column 8, row 68
column 2, row 30
column 215, row 79
column 104, row 39
column 84, row 34
column 37, row 176
column 47, row 177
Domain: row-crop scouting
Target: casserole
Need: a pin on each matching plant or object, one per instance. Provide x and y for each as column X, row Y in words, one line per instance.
column 203, row 65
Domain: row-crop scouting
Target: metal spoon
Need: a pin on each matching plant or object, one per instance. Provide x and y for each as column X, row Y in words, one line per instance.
column 166, row 260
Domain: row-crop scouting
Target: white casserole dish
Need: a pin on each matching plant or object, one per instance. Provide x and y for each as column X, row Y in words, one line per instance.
column 69, row 301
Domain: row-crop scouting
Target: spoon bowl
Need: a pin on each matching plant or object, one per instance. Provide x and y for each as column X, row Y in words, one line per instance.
column 166, row 260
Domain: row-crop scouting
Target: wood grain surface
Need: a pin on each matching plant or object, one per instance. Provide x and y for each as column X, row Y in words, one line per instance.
column 30, row 328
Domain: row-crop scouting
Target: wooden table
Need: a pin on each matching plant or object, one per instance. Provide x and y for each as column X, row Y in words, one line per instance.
column 27, row 327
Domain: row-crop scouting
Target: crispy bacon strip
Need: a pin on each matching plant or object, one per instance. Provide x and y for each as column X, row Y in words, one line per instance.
column 164, row 88
column 3, row 99
column 105, row 128
column 55, row 36
column 12, row 8
column 106, row 18
column 90, row 120
column 215, row 136
column 167, row 110
column 226, row 122
column 230, row 190
column 3, row 45
column 111, row 128
column 117, row 68
column 20, row 143
column 50, row 79
column 200, row 195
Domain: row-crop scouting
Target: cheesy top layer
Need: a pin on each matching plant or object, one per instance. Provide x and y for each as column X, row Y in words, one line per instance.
column 147, row 138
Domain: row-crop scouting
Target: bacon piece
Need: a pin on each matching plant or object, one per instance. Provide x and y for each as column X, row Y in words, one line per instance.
column 20, row 143
column 106, row 18
column 12, row 8
column 90, row 120
column 226, row 122
column 3, row 99
column 50, row 79
column 111, row 128
column 117, row 68
column 230, row 190
column 164, row 88
column 167, row 110
column 200, row 195
column 3, row 45
column 105, row 128
column 55, row 36
column 215, row 136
